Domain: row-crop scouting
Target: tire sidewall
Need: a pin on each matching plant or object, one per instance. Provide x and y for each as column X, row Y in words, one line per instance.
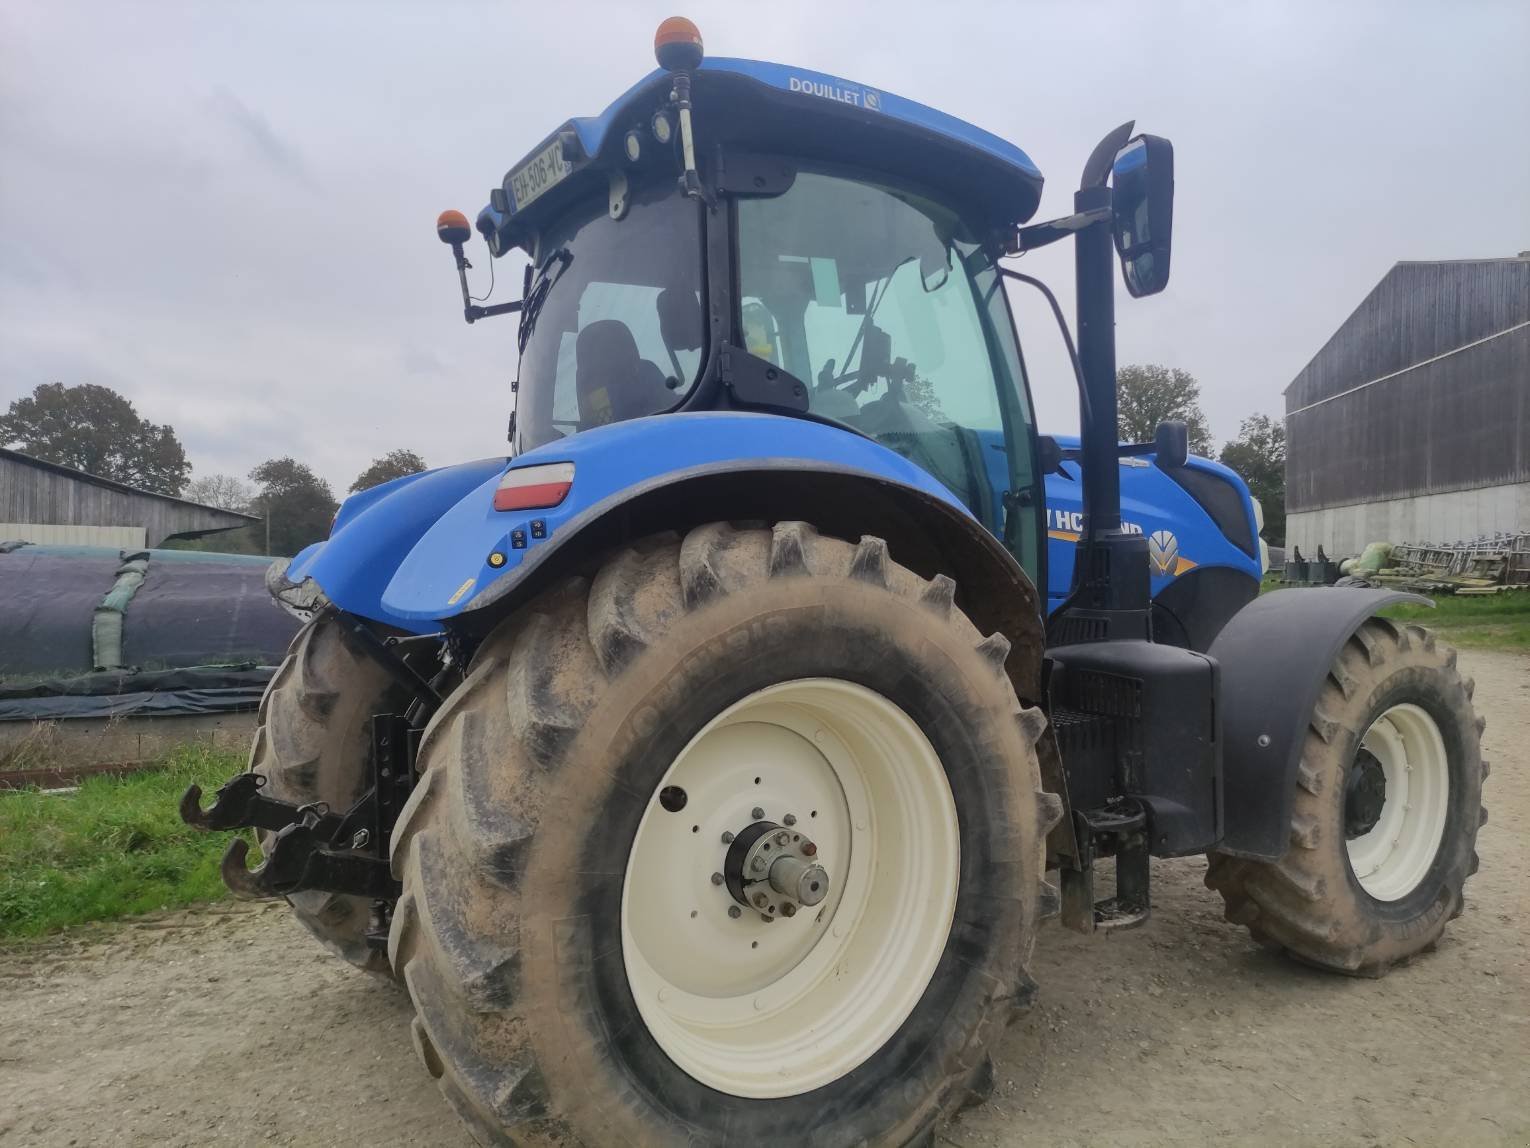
column 1438, row 692
column 808, row 627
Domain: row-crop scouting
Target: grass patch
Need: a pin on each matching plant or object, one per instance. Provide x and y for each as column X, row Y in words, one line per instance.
column 113, row 848
column 1494, row 622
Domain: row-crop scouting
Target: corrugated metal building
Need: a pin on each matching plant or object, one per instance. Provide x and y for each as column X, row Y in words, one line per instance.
column 45, row 503
column 1412, row 424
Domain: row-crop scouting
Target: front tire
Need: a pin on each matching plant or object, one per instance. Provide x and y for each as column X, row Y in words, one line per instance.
column 558, row 855
column 314, row 743
column 1387, row 804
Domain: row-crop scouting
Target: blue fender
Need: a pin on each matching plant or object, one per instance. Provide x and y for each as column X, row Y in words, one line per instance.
column 1274, row 655
column 416, row 551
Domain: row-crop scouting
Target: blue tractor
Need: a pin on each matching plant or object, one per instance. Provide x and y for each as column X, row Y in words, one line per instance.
column 705, row 767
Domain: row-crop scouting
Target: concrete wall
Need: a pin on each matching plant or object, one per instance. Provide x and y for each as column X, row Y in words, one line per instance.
column 100, row 741
column 1456, row 516
column 117, row 537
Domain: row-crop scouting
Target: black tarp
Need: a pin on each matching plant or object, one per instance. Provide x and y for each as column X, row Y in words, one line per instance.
column 191, row 613
column 200, row 634
column 48, row 595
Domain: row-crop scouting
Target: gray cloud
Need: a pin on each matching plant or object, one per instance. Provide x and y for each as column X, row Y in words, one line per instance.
column 226, row 211
column 269, row 148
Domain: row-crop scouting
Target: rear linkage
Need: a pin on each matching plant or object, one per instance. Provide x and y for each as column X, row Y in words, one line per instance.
column 313, row 847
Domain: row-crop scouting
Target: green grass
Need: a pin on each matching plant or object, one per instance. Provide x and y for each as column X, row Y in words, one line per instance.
column 1492, row 622
column 1483, row 622
column 114, row 848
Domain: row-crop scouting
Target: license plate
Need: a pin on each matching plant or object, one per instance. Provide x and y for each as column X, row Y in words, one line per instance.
column 541, row 172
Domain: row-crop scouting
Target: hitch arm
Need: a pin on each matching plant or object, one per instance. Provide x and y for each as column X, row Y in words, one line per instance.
column 239, row 804
column 297, row 860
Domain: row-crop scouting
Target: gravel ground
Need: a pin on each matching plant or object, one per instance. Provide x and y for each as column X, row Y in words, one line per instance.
column 229, row 1026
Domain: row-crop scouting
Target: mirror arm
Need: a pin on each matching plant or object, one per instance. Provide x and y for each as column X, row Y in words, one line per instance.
column 472, row 312
column 1041, row 234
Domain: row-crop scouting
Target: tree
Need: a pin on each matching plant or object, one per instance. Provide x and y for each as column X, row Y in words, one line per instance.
column 94, row 429
column 1258, row 454
column 221, row 490
column 1149, row 394
column 296, row 504
column 394, row 464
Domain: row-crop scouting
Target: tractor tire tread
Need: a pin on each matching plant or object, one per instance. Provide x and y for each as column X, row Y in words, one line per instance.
column 1307, row 903
column 500, row 743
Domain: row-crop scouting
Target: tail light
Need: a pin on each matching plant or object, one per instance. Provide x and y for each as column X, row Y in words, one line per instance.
column 534, row 487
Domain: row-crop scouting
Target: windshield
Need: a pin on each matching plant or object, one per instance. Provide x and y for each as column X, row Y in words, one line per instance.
column 885, row 305
column 612, row 328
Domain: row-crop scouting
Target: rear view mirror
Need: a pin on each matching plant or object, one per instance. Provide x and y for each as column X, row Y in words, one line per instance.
column 1049, row 456
column 1171, row 445
column 1143, row 204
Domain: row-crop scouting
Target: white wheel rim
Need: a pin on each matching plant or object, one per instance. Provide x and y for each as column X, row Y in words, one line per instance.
column 776, row 1009
column 1392, row 858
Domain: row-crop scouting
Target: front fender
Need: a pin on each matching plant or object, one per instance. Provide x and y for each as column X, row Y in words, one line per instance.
column 1274, row 655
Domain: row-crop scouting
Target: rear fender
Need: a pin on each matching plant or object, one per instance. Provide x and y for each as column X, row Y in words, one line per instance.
column 1274, row 655
column 373, row 531
column 668, row 473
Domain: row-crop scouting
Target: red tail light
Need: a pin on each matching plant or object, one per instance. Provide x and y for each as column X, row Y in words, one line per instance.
column 534, row 487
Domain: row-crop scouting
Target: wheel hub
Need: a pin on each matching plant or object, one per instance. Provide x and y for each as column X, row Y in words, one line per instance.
column 1365, row 795
column 772, row 870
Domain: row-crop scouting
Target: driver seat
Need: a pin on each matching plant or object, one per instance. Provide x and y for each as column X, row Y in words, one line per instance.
column 612, row 381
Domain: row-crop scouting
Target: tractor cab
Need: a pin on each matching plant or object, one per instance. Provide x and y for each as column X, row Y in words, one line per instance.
column 834, row 255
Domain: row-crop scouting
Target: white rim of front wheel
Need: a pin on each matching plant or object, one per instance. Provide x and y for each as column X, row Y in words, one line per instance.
column 777, row 1008
column 1394, row 855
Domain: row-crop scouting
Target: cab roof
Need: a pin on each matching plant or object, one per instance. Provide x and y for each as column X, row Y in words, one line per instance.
column 796, row 113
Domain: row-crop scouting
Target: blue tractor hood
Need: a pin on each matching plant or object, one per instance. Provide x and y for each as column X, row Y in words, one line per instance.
column 777, row 108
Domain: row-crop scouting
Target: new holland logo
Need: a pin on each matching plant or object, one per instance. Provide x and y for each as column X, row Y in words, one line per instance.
column 1163, row 551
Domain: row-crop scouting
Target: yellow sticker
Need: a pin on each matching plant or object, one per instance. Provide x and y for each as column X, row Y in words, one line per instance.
column 461, row 590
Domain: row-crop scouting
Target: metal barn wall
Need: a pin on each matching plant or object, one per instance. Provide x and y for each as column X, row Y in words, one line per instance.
column 1424, row 389
column 32, row 491
column 1456, row 423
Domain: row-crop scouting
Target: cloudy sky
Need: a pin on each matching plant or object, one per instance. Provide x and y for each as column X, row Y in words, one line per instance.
column 226, row 211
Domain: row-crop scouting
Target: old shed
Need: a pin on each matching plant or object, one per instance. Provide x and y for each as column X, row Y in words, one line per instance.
column 46, row 503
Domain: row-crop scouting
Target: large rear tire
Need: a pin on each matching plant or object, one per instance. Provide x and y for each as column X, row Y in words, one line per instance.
column 1388, row 800
column 314, row 743
column 568, row 849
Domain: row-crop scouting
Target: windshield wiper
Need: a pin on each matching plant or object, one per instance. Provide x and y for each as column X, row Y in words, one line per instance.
column 877, row 295
column 546, row 277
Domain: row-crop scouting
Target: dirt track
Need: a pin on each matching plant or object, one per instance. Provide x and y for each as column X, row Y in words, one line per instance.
column 230, row 1026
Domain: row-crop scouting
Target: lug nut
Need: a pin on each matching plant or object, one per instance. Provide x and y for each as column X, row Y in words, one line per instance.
column 766, row 918
column 783, row 838
column 809, row 849
column 790, row 819
column 717, row 878
column 757, row 865
column 735, row 912
column 727, row 838
column 759, row 900
column 756, row 813
column 788, row 910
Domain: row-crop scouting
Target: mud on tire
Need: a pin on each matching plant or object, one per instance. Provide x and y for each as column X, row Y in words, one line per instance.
column 537, row 771
column 314, row 743
column 1311, row 903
